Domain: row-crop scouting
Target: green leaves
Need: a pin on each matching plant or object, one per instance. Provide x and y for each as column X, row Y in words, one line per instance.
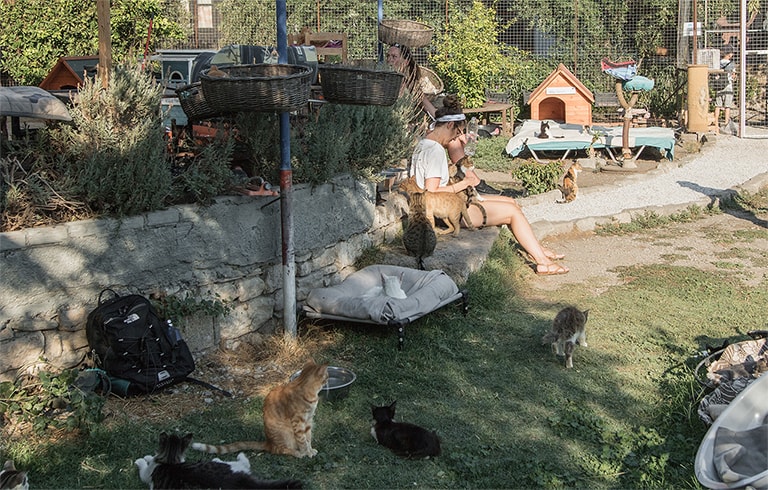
column 50, row 400
column 34, row 34
column 468, row 55
column 539, row 177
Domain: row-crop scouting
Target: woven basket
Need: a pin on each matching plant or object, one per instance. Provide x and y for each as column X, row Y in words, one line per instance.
column 408, row 32
column 344, row 84
column 261, row 87
column 194, row 104
column 431, row 85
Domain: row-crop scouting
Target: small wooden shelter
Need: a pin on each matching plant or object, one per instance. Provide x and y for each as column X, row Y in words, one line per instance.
column 69, row 72
column 562, row 97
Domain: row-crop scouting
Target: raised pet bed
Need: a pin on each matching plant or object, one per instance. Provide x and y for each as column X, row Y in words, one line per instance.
column 343, row 84
column 408, row 32
column 261, row 87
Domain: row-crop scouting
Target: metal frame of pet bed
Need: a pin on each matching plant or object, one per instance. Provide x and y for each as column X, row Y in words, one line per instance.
column 398, row 324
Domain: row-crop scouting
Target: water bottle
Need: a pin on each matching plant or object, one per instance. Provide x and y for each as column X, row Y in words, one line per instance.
column 471, row 147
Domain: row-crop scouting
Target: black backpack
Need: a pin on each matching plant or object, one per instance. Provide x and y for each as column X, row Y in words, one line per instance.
column 139, row 351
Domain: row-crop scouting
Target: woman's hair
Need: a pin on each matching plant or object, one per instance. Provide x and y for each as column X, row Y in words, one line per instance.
column 413, row 72
column 451, row 105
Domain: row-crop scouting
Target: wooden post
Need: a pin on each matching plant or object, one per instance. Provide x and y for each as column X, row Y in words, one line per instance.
column 625, row 150
column 105, row 41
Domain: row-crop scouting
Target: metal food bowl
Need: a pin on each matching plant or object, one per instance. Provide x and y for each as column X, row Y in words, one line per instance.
column 337, row 387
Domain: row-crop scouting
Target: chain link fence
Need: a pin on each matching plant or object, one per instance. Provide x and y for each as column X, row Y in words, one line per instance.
column 578, row 33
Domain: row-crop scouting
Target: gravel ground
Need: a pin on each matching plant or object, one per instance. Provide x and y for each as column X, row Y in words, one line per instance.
column 726, row 163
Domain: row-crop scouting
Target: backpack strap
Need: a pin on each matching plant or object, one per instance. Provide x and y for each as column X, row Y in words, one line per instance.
column 105, row 290
column 208, row 385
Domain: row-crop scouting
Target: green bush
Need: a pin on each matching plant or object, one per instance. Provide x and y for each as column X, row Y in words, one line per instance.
column 34, row 34
column 537, row 177
column 468, row 56
column 113, row 155
column 357, row 139
column 206, row 175
column 50, row 400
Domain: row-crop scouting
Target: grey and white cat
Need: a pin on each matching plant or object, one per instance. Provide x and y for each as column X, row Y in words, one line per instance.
column 391, row 286
column 13, row 479
column 568, row 329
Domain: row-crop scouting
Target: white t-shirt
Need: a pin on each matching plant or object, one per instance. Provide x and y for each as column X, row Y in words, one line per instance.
column 429, row 160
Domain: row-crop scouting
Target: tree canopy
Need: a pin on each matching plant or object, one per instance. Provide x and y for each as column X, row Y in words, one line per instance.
column 35, row 34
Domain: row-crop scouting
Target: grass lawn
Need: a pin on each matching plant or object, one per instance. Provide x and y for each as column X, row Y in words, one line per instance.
column 508, row 412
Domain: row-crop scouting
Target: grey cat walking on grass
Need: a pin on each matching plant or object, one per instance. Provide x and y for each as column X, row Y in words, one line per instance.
column 568, row 329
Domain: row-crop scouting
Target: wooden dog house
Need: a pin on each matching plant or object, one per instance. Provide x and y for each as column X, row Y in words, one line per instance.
column 562, row 97
column 68, row 73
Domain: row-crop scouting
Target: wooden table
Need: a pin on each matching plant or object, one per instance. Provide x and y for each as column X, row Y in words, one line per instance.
column 492, row 107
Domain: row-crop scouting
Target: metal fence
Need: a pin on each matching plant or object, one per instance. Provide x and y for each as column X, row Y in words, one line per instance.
column 578, row 33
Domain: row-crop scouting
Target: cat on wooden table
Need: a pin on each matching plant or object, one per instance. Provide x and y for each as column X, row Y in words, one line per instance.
column 403, row 439
column 448, row 206
column 568, row 329
column 289, row 412
column 13, row 479
column 391, row 286
column 569, row 187
column 169, row 469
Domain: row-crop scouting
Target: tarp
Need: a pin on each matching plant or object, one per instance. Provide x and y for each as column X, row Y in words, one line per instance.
column 32, row 102
column 564, row 136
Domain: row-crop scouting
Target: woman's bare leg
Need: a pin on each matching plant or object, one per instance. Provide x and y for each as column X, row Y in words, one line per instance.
column 506, row 211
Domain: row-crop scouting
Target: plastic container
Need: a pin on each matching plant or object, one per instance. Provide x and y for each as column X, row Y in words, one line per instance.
column 748, row 410
column 471, row 147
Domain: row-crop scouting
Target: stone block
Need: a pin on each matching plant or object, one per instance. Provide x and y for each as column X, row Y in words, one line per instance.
column 72, row 318
column 199, row 332
column 47, row 234
column 13, row 240
column 250, row 287
column 168, row 216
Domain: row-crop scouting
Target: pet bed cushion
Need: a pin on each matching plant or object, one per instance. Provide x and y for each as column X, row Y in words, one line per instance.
column 426, row 291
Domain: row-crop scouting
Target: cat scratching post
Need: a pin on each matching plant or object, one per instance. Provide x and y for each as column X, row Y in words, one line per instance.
column 626, row 152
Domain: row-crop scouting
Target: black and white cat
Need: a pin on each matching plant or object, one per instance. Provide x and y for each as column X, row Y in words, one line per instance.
column 168, row 469
column 403, row 439
column 13, row 479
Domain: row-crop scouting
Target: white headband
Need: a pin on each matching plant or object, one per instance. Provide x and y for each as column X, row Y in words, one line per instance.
column 451, row 117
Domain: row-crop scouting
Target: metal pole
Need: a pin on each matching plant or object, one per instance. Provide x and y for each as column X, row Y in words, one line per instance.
column 286, row 189
column 695, row 33
column 381, row 17
column 743, row 69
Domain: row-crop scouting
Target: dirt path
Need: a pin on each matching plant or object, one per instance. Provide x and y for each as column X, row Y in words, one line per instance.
column 734, row 241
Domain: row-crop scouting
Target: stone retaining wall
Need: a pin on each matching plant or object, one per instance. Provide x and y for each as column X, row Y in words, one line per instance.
column 51, row 276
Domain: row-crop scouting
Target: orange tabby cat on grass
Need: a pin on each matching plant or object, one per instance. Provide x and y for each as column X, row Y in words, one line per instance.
column 288, row 417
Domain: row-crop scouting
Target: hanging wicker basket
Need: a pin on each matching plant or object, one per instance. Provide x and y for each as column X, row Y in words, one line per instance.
column 408, row 32
column 431, row 85
column 345, row 84
column 261, row 87
column 194, row 104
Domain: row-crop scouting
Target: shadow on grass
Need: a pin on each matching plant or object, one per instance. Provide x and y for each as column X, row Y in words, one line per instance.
column 727, row 200
column 508, row 412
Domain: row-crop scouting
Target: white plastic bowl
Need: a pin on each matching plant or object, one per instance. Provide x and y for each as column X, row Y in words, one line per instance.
column 747, row 411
